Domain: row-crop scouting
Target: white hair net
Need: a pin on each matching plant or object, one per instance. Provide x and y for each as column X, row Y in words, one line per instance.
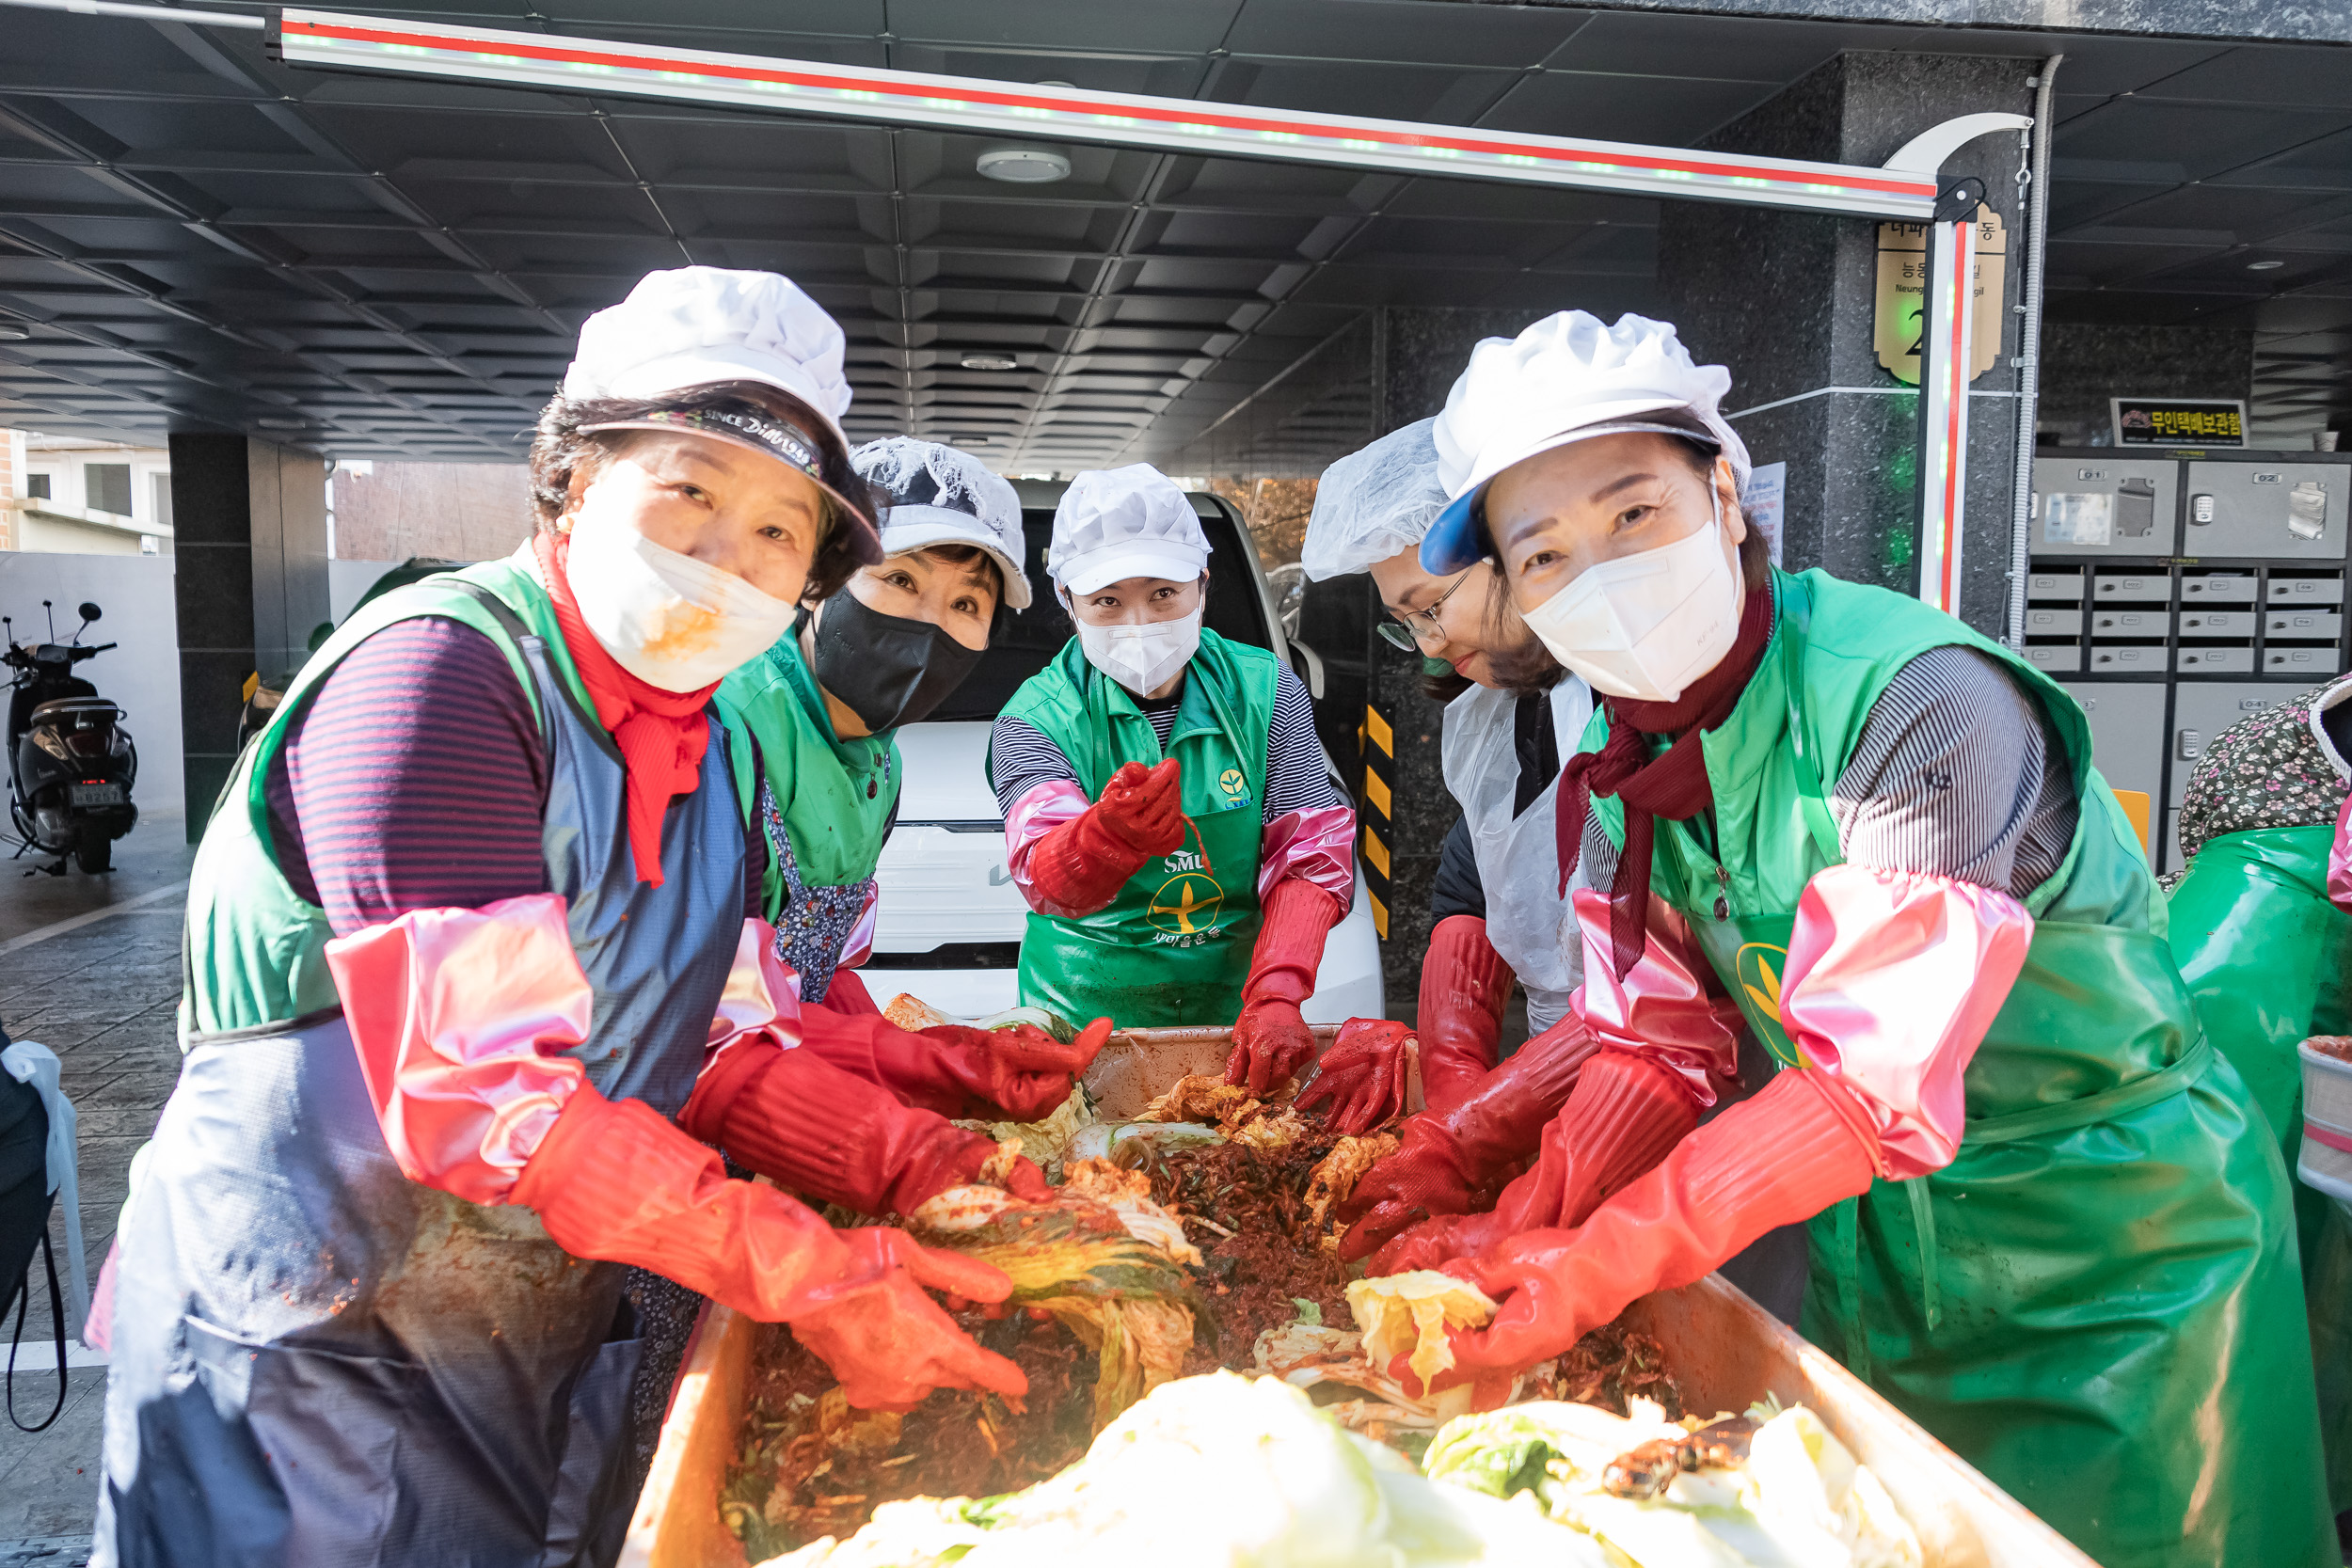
column 1374, row 503
column 940, row 495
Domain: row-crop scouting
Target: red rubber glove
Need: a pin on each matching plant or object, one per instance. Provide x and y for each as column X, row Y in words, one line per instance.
column 1465, row 987
column 1625, row 1113
column 1801, row 1145
column 1081, row 864
column 1271, row 1043
column 614, row 1181
column 1455, row 1160
column 821, row 1130
column 1017, row 1074
column 1363, row 1075
column 846, row 993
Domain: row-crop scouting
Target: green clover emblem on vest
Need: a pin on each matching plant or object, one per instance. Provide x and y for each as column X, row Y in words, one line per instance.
column 1235, row 783
column 1185, row 904
column 1758, row 968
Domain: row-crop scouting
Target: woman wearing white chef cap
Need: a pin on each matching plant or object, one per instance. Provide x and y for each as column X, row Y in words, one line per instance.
column 476, row 979
column 1514, row 714
column 1168, row 812
column 2044, row 1222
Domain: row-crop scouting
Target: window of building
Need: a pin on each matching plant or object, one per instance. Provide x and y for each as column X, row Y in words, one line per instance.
column 36, row 487
column 161, row 487
column 106, row 487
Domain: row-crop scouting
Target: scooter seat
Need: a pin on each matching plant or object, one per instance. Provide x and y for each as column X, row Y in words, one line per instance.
column 72, row 707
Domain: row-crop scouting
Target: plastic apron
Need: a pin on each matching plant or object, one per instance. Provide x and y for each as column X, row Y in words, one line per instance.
column 824, row 806
column 2095, row 1302
column 1530, row 924
column 2268, row 958
column 1173, row 946
column 317, row 1362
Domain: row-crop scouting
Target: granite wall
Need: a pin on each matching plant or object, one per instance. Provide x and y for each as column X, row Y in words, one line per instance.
column 2086, row 363
column 1786, row 301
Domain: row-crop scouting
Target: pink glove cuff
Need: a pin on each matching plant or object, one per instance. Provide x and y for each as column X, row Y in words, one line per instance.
column 2340, row 861
column 1037, row 813
column 1663, row 1007
column 1316, row 847
column 459, row 1018
column 762, row 997
column 1892, row 979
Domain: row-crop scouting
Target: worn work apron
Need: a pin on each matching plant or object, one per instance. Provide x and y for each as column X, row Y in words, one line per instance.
column 2269, row 959
column 1173, row 946
column 2095, row 1302
column 316, row 1361
column 825, row 806
column 1531, row 925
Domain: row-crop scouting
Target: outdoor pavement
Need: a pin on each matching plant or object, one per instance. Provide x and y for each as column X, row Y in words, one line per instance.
column 90, row 966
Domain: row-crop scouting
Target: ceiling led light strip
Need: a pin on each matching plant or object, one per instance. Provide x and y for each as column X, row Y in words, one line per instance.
column 1125, row 119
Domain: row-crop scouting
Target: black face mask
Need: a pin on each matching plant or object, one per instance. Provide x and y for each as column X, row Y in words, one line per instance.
column 886, row 670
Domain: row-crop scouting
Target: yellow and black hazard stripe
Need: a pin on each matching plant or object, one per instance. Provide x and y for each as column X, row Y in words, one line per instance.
column 1379, row 807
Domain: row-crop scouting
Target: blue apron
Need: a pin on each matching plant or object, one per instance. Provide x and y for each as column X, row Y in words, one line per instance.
column 318, row 1362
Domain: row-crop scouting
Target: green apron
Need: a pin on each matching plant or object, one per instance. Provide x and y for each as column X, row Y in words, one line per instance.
column 1173, row 946
column 824, row 806
column 2268, row 958
column 2095, row 1303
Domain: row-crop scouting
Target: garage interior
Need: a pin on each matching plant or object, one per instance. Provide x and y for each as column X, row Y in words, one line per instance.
column 201, row 243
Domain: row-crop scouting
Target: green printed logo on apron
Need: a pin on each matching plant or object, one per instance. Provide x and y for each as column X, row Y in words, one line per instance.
column 1755, row 968
column 1186, row 909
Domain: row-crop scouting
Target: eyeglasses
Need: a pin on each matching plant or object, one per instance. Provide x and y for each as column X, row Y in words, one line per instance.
column 1408, row 631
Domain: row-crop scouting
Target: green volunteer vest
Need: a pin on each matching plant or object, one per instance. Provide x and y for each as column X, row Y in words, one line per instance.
column 2096, row 1302
column 2269, row 959
column 835, row 796
column 254, row 952
column 1173, row 946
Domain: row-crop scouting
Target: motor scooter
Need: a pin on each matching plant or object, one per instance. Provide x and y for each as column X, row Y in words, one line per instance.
column 71, row 762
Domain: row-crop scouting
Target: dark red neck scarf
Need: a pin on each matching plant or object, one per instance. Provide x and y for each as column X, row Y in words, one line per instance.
column 661, row 735
column 1674, row 784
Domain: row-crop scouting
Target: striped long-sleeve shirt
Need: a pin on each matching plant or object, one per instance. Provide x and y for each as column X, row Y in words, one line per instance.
column 1958, row 774
column 415, row 778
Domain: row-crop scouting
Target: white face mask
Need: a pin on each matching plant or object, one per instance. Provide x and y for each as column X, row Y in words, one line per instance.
column 1647, row 626
column 1141, row 657
column 668, row 619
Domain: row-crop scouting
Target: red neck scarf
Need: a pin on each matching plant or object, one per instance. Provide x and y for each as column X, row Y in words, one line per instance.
column 662, row 734
column 1674, row 784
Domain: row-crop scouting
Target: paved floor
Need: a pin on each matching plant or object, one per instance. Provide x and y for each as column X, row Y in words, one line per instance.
column 90, row 966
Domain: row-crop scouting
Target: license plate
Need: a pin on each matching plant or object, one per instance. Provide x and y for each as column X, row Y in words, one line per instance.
column 98, row 795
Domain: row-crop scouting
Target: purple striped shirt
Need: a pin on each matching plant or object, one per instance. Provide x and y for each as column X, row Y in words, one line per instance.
column 416, row 779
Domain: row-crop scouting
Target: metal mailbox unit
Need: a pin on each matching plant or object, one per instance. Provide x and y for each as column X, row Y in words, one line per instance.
column 2175, row 592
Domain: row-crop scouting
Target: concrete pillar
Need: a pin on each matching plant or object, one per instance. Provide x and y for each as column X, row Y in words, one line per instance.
column 251, row 586
column 1786, row 300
